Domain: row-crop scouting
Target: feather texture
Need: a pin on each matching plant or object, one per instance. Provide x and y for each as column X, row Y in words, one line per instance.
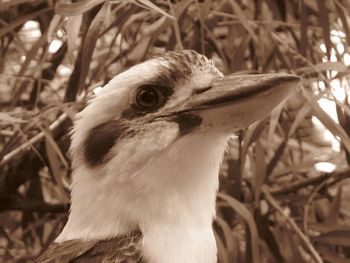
column 124, row 249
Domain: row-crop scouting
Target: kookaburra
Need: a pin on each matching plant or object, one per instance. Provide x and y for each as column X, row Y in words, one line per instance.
column 146, row 153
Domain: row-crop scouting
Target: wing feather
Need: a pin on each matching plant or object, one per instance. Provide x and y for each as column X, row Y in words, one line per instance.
column 124, row 249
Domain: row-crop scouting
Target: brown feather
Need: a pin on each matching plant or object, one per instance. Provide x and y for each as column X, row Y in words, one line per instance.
column 124, row 249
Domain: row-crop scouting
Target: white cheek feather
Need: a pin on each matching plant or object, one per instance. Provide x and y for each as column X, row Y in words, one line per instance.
column 189, row 184
column 133, row 155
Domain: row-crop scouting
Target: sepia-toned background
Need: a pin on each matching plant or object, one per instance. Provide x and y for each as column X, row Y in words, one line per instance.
column 284, row 183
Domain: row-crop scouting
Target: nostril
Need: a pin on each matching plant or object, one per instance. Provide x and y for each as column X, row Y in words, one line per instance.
column 201, row 90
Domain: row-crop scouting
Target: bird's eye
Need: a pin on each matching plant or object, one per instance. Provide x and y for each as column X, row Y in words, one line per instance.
column 147, row 98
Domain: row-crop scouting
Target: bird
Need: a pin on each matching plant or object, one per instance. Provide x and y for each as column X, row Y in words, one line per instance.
column 146, row 153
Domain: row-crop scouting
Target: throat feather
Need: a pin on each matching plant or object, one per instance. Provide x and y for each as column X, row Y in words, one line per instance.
column 171, row 200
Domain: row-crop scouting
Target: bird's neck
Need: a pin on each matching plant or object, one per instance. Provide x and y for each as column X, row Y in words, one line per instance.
column 172, row 201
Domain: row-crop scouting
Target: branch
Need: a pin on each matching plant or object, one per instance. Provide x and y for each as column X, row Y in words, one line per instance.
column 37, row 138
column 10, row 202
column 292, row 187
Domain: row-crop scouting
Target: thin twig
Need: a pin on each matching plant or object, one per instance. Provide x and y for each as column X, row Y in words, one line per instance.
column 7, row 133
column 308, row 203
column 176, row 26
column 325, row 184
column 12, row 202
column 273, row 202
column 295, row 186
column 27, row 145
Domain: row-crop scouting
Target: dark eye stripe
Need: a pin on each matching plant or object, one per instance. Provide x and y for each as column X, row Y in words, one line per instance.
column 100, row 141
column 187, row 122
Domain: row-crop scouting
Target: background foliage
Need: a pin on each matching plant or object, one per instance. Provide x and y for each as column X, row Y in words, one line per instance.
column 285, row 189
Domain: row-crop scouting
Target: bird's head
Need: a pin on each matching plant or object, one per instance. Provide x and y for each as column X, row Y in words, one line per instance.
column 143, row 110
column 151, row 141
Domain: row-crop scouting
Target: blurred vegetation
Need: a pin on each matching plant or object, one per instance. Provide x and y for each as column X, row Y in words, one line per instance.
column 285, row 188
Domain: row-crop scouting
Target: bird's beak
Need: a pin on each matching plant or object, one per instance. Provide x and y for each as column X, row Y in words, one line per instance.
column 236, row 101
